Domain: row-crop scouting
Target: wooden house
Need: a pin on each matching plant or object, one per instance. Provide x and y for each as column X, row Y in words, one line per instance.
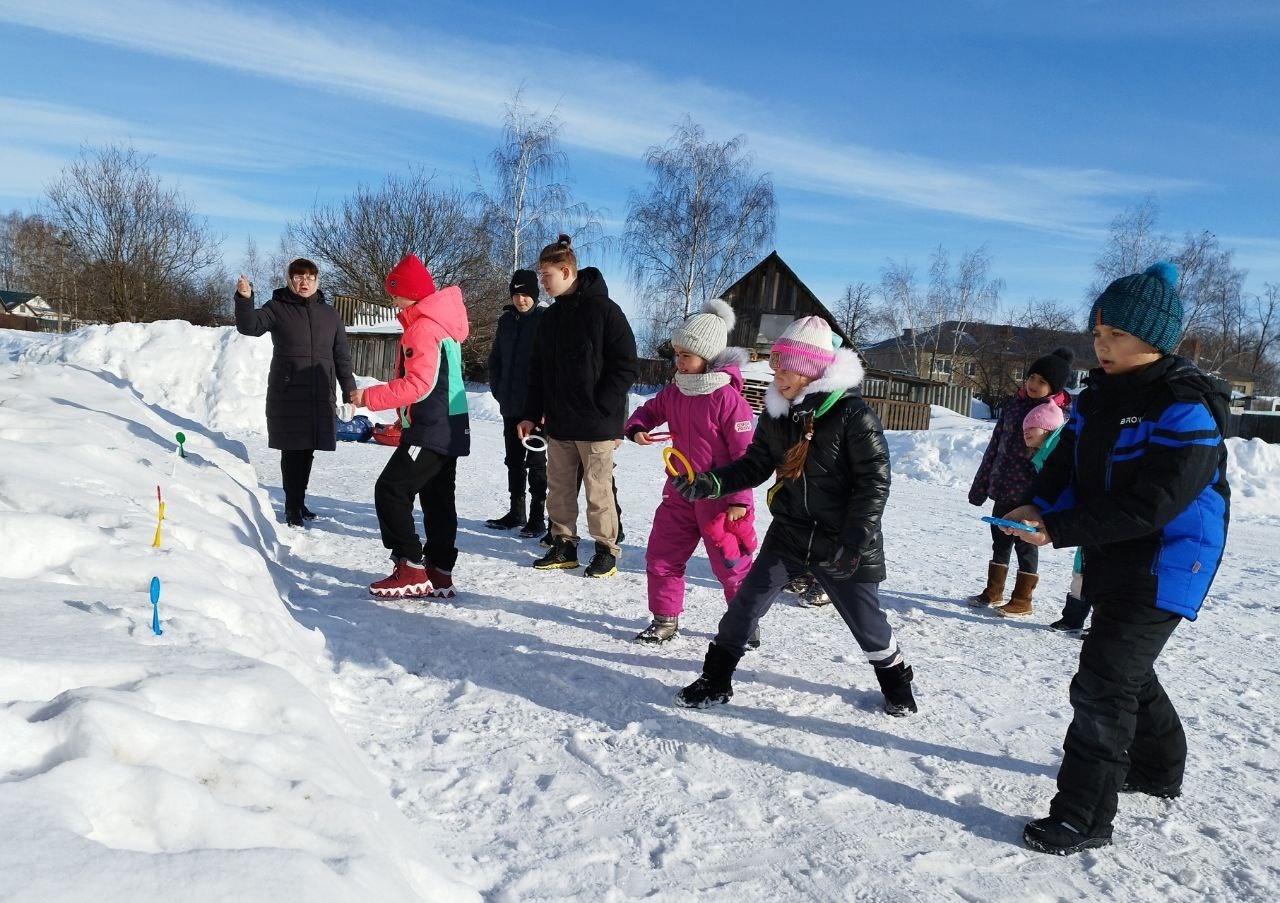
column 770, row 297
column 27, row 310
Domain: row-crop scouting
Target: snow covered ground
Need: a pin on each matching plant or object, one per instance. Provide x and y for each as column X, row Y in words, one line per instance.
column 288, row 738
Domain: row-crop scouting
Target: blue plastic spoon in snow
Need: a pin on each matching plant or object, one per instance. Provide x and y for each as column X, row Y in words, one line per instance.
column 155, row 606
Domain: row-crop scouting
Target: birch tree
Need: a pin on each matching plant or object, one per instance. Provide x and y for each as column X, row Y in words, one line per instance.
column 530, row 199
column 704, row 217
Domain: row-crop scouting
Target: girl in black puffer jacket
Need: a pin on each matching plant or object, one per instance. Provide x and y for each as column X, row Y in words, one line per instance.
column 828, row 449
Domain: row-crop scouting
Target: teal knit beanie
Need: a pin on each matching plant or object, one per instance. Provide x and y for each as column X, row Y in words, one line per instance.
column 1145, row 305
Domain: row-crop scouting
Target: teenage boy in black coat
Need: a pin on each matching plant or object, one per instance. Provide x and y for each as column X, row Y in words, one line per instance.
column 509, row 361
column 584, row 362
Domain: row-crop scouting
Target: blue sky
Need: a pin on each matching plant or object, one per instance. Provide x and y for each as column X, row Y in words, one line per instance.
column 889, row 128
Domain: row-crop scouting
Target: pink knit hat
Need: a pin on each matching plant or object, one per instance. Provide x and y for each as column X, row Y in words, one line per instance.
column 1047, row 416
column 807, row 348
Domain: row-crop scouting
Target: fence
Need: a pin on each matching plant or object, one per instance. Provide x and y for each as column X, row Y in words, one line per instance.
column 1248, row 425
column 895, row 413
column 355, row 312
column 374, row 354
column 13, row 321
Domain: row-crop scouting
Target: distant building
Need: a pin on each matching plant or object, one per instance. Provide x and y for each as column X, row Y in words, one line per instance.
column 770, row 297
column 992, row 359
column 766, row 300
column 26, row 310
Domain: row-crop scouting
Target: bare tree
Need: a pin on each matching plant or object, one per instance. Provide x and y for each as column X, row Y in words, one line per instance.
column 903, row 308
column 10, row 224
column 137, row 243
column 961, row 297
column 932, row 323
column 260, row 272
column 531, row 200
column 703, row 218
column 360, row 239
column 1048, row 315
column 1133, row 245
column 857, row 313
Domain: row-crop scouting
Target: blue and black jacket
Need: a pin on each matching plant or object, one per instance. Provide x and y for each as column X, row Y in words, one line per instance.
column 1139, row 481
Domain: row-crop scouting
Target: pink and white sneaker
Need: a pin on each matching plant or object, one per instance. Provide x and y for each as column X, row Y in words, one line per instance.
column 441, row 583
column 406, row 581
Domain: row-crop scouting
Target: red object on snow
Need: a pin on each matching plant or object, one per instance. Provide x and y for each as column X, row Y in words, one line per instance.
column 387, row 434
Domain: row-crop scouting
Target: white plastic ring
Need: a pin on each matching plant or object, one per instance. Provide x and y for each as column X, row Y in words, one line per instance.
column 534, row 443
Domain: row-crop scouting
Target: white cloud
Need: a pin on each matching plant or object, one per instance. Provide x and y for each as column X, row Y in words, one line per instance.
column 608, row 107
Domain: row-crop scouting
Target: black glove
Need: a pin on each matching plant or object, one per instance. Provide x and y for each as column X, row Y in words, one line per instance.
column 703, row 486
column 842, row 564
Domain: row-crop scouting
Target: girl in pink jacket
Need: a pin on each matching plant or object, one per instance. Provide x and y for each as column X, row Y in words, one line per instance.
column 711, row 424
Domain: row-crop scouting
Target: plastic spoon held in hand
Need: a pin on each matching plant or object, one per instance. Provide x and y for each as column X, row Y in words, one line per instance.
column 155, row 606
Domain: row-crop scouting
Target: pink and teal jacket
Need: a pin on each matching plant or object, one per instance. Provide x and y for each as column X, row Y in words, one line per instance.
column 427, row 392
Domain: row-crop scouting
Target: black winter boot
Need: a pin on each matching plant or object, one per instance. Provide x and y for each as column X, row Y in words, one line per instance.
column 535, row 524
column 1074, row 612
column 1058, row 838
column 895, row 683
column 563, row 554
column 1137, row 784
column 513, row 518
column 715, row 686
column 603, row 563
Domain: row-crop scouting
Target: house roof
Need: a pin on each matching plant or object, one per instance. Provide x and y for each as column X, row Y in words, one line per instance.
column 10, row 300
column 975, row 338
column 773, row 257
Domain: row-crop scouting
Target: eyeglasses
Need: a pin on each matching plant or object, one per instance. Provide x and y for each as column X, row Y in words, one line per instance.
column 304, row 277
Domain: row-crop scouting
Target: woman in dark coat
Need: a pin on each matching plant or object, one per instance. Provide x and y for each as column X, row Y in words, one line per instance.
column 309, row 358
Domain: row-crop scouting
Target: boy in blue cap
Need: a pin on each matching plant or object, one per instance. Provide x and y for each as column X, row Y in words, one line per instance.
column 1139, row 482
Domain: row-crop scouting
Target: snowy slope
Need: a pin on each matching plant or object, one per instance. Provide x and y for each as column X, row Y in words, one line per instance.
column 532, row 748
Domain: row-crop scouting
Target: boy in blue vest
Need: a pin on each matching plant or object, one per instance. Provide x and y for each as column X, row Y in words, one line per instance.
column 1138, row 481
column 428, row 395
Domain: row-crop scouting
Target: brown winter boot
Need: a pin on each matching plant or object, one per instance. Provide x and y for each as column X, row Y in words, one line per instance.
column 993, row 595
column 1019, row 605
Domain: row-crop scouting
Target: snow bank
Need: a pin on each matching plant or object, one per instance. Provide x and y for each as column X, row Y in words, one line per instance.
column 203, row 763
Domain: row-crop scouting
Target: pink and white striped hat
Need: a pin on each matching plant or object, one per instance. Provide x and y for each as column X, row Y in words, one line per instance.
column 807, row 348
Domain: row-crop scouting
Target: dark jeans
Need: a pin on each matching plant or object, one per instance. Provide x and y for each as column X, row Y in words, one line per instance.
column 522, row 463
column 1123, row 718
column 858, row 604
column 295, row 474
column 430, row 479
column 1002, row 545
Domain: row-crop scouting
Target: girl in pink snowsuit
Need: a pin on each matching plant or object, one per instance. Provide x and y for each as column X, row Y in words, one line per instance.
column 711, row 424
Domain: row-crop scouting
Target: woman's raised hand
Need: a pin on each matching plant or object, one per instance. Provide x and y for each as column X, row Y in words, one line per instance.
column 243, row 288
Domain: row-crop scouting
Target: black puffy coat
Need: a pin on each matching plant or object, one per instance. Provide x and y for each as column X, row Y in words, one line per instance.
column 840, row 496
column 510, row 356
column 584, row 361
column 309, row 358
